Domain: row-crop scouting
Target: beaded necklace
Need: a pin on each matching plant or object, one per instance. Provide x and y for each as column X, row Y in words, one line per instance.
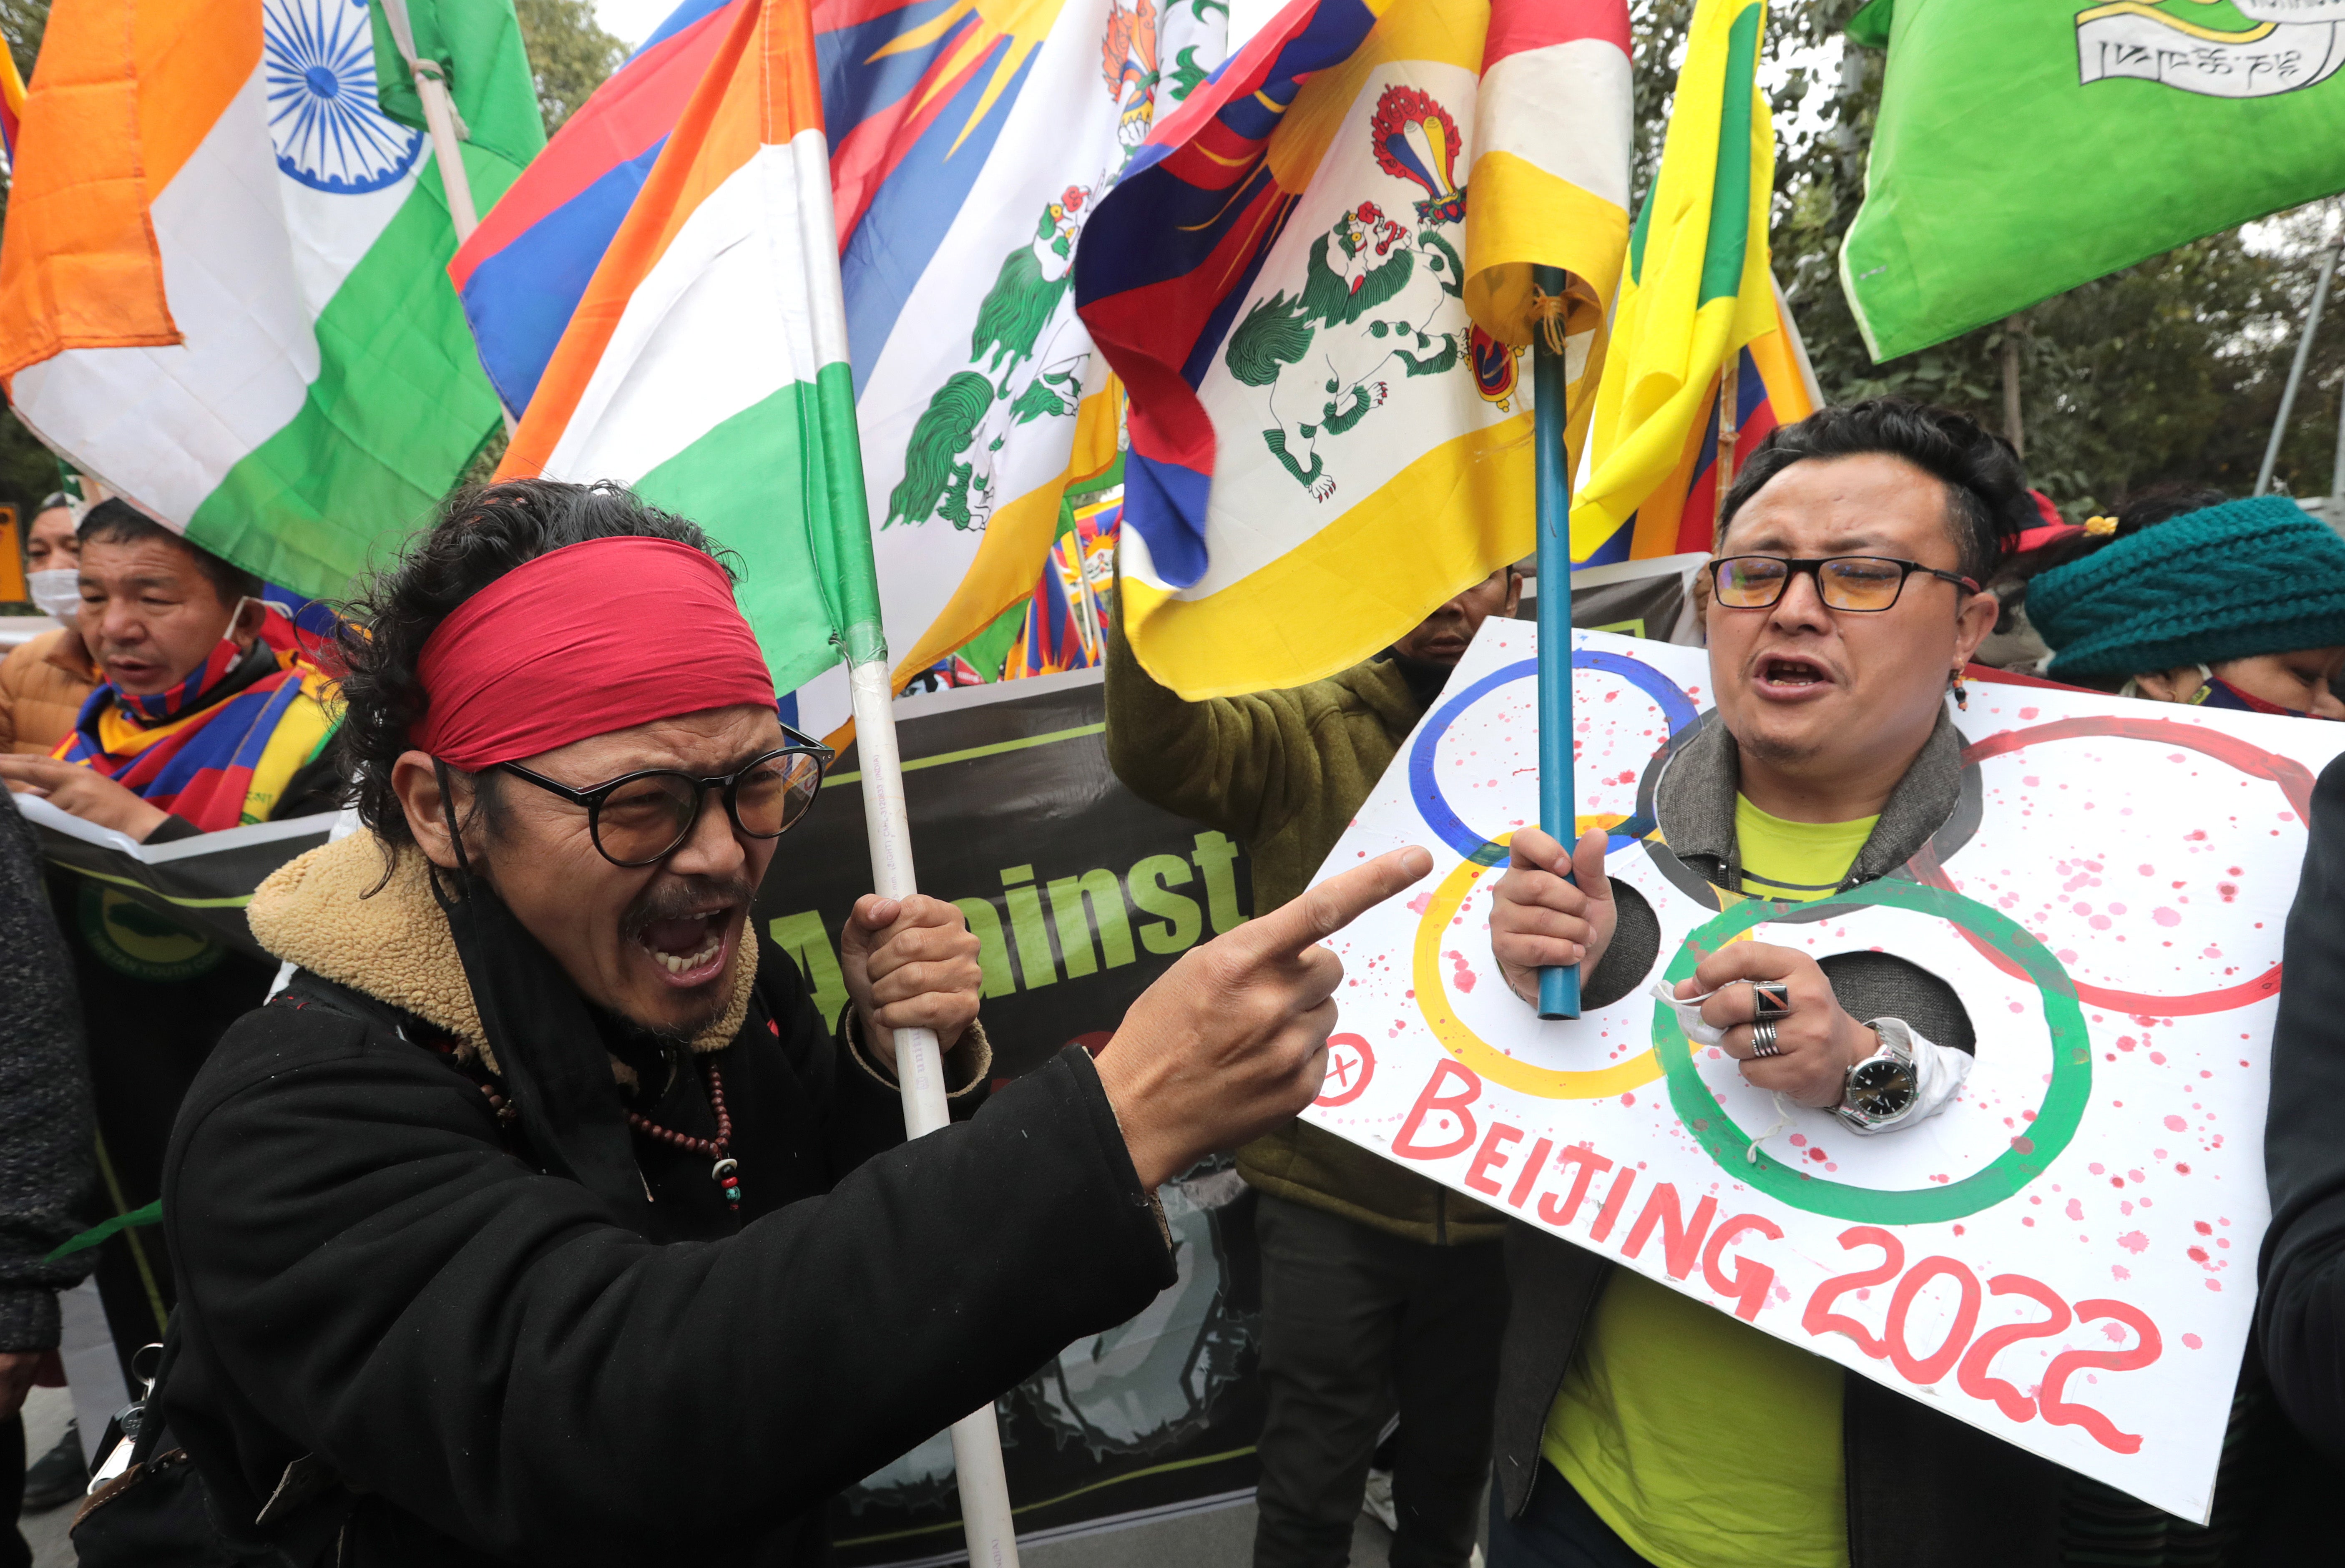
column 724, row 1172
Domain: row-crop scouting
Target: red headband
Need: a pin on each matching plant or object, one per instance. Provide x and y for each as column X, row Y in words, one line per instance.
column 583, row 641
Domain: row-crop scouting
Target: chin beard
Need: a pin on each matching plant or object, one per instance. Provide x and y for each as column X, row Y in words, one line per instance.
column 678, row 1034
column 1777, row 751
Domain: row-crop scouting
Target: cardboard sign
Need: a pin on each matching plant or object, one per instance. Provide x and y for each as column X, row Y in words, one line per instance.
column 2065, row 1255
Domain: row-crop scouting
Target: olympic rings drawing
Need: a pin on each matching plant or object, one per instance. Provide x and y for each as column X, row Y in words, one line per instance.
column 2295, row 782
column 1675, row 707
column 2029, row 1154
column 1470, row 1048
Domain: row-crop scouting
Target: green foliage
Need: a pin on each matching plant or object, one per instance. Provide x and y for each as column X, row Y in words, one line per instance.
column 568, row 53
column 22, row 23
column 2169, row 369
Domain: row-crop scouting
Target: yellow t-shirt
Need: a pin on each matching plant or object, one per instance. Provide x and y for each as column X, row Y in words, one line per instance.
column 1702, row 1442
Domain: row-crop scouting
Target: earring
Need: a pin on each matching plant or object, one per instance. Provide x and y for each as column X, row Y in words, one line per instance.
column 1962, row 693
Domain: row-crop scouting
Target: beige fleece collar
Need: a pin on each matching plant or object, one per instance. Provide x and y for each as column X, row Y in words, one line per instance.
column 395, row 945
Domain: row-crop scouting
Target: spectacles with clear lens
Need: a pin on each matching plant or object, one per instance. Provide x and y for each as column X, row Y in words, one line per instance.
column 638, row 818
column 1863, row 583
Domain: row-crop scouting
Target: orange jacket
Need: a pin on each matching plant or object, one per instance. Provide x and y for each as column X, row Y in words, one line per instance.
column 43, row 684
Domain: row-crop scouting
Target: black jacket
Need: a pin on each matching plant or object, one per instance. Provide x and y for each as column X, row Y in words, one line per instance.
column 46, row 1169
column 479, row 1362
column 2300, row 1315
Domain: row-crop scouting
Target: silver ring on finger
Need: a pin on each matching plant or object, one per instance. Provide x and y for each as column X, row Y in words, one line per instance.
column 1769, row 1000
column 1763, row 1039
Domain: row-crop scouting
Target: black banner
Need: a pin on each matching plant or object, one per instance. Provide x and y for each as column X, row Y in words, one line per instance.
column 1081, row 894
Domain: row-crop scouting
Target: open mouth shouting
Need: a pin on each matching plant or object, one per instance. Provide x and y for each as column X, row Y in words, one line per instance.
column 688, row 933
column 1789, row 677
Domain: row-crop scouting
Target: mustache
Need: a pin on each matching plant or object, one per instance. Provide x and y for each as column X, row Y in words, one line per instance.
column 673, row 898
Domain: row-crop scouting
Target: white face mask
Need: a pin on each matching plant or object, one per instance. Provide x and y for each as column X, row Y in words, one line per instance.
column 57, row 591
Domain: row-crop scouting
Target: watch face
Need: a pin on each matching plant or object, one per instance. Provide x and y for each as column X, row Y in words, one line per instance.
column 1881, row 1087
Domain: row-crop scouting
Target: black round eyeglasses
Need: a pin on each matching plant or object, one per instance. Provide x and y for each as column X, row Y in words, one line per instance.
column 638, row 818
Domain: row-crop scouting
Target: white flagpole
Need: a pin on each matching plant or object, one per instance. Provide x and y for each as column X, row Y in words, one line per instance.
column 448, row 133
column 986, row 1521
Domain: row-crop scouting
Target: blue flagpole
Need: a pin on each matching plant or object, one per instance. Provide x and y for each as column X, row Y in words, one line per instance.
column 1558, row 987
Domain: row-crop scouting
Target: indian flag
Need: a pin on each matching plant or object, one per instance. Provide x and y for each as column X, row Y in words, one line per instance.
column 223, row 287
column 706, row 364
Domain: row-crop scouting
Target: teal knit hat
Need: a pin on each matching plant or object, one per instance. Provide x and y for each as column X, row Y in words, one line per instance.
column 2229, row 582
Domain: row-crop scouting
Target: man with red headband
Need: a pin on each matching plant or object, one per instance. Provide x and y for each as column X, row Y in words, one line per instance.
column 541, row 1217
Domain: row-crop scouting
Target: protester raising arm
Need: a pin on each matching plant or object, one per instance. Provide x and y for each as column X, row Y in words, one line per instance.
column 537, row 1381
column 1283, row 771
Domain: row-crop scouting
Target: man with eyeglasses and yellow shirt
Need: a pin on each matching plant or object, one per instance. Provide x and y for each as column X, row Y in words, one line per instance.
column 1638, row 1426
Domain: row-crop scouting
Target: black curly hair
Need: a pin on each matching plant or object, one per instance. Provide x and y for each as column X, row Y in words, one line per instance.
column 481, row 532
column 1987, row 503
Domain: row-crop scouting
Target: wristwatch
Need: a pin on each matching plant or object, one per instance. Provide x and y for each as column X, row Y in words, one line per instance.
column 1881, row 1090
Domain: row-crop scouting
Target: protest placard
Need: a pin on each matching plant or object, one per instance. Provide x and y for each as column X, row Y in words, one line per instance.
column 2065, row 1255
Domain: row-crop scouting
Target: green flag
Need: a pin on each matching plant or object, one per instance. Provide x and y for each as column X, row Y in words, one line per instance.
column 477, row 45
column 2025, row 147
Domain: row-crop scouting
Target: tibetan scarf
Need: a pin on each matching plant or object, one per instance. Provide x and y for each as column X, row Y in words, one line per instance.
column 218, row 748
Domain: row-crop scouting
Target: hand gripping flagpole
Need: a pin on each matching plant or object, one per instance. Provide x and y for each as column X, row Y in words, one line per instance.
column 920, row 1069
column 853, row 592
column 1558, row 987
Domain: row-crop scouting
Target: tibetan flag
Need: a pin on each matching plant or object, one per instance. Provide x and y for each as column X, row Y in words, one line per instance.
column 1773, row 386
column 12, row 103
column 1324, row 445
column 1698, row 287
column 524, row 271
column 970, row 146
column 222, row 289
column 706, row 364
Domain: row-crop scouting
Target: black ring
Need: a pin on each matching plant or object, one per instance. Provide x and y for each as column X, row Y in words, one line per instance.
column 1770, row 999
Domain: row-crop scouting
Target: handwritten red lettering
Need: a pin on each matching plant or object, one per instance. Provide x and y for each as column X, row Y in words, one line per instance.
column 1819, row 1318
column 1750, row 1284
column 1928, row 1369
column 1591, row 1164
column 1680, row 1236
column 1466, row 1089
column 1972, row 1376
column 1614, row 1203
column 2058, row 1411
column 1529, row 1175
column 1491, row 1155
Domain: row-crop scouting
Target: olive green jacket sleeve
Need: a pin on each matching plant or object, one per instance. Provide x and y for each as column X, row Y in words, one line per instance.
column 1282, row 772
column 1241, row 765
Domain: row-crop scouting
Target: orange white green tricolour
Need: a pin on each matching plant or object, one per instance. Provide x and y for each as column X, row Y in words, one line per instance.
column 221, row 284
column 706, row 364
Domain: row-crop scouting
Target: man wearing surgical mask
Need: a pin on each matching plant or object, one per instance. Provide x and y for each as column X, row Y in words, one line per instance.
column 43, row 682
column 206, row 715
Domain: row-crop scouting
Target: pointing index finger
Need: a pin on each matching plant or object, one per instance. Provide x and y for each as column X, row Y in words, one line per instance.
column 1322, row 911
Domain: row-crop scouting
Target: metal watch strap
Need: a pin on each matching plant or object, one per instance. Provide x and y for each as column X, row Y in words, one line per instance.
column 1898, row 1044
